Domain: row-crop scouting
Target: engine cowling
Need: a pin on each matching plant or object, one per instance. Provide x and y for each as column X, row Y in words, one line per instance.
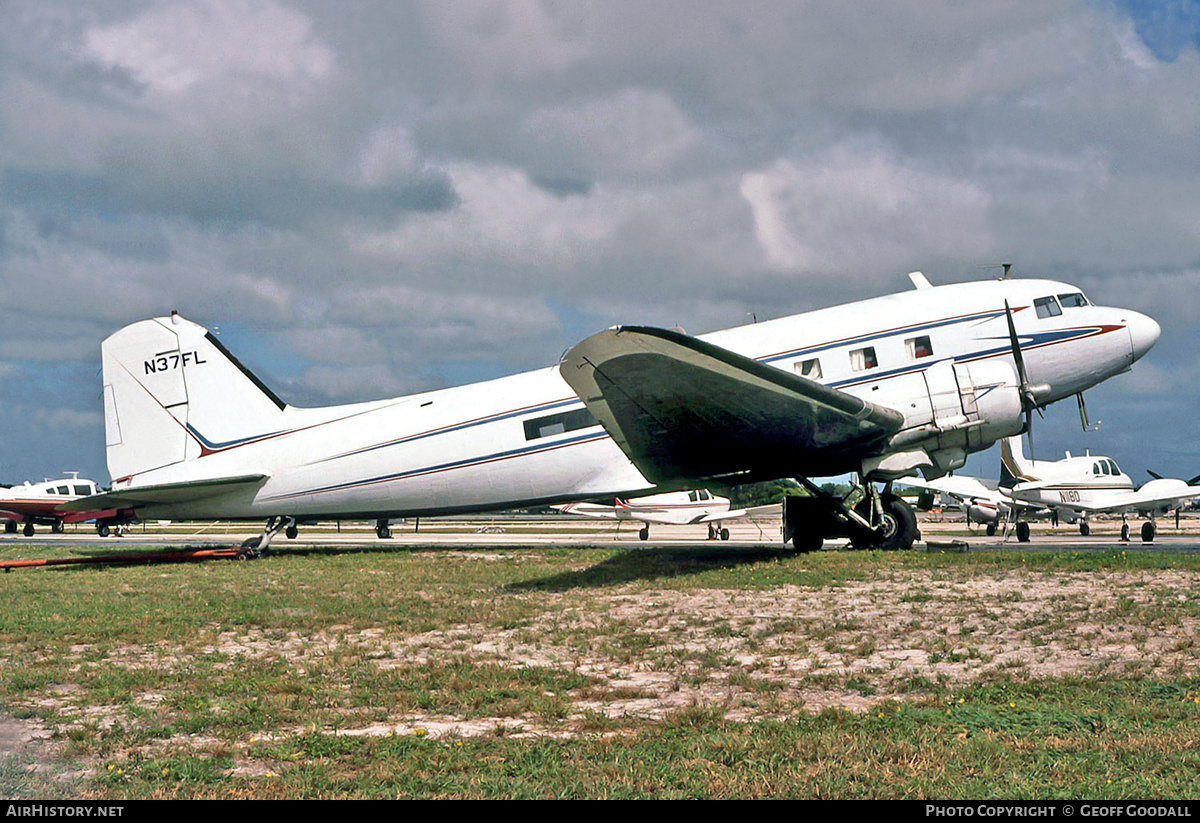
column 950, row 410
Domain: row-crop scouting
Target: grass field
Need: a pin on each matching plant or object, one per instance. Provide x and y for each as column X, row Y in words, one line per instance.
column 615, row 672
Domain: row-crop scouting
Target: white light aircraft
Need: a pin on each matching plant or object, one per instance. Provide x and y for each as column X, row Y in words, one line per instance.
column 32, row 503
column 1074, row 488
column 1083, row 486
column 881, row 388
column 669, row 508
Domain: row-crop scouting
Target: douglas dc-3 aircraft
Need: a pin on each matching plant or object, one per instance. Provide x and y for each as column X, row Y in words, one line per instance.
column 883, row 388
column 671, row 508
column 44, row 503
column 1074, row 487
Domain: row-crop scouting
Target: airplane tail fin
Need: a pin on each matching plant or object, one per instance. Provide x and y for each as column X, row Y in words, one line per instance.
column 173, row 393
column 1014, row 467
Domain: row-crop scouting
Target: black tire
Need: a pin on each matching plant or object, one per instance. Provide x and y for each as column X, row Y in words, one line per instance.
column 1022, row 532
column 991, row 530
column 724, row 534
column 1084, row 528
column 644, row 534
column 1148, row 531
column 291, row 532
column 28, row 530
column 805, row 543
column 900, row 525
column 1124, row 531
column 102, row 529
column 10, row 527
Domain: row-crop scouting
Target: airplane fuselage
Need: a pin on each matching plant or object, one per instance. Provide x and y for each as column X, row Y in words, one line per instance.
column 527, row 439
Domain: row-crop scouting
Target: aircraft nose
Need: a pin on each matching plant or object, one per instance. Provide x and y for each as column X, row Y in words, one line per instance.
column 1143, row 332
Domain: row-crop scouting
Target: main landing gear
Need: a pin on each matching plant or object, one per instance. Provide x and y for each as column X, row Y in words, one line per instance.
column 870, row 518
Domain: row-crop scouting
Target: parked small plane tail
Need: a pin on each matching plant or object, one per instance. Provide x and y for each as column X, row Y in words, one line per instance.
column 173, row 393
column 1014, row 467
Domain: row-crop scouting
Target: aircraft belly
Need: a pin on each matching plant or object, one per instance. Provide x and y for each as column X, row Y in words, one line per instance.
column 428, row 477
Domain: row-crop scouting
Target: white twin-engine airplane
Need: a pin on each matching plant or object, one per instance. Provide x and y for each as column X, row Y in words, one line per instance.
column 883, row 388
column 1088, row 485
column 45, row 503
column 669, row 508
column 1075, row 487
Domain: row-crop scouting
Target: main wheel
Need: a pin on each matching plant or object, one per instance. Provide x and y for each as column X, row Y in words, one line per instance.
column 899, row 525
column 1084, row 528
column 806, row 542
column 991, row 529
column 1148, row 532
column 1022, row 532
column 644, row 534
column 1124, row 531
column 724, row 534
column 28, row 530
column 291, row 532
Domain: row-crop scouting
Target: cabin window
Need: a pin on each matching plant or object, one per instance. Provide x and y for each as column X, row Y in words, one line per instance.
column 919, row 347
column 558, row 423
column 64, row 489
column 693, row 496
column 863, row 359
column 809, row 368
column 1047, row 307
column 82, row 490
column 1097, row 469
column 1072, row 301
column 704, row 495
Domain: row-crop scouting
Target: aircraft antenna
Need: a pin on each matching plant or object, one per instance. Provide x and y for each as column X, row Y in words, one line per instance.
column 1007, row 270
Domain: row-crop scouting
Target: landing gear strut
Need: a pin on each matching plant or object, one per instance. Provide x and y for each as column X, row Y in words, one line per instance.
column 383, row 529
column 870, row 518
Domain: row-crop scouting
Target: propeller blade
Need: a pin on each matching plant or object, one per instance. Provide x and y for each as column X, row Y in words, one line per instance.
column 1155, row 475
column 1016, row 348
column 1027, row 402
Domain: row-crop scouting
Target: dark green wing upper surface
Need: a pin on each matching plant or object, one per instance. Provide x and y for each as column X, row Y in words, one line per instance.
column 681, row 408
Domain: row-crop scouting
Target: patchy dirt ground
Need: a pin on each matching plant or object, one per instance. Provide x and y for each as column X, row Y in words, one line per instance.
column 755, row 654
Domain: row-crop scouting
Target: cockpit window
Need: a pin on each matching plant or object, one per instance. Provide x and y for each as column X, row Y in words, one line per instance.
column 1047, row 307
column 1113, row 468
column 1072, row 301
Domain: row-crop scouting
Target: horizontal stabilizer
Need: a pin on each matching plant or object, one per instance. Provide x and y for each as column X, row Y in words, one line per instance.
column 681, row 408
column 164, row 493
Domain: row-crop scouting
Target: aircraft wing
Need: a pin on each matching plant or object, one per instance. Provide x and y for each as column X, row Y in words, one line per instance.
column 1156, row 496
column 717, row 517
column 138, row 496
column 683, row 408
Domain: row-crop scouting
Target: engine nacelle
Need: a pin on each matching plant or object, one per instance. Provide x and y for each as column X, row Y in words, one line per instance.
column 950, row 410
column 982, row 513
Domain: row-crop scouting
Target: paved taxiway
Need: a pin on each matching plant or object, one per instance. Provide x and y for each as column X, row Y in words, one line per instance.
column 482, row 533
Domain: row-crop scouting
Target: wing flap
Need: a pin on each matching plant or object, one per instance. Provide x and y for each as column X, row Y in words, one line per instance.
column 163, row 493
column 681, row 408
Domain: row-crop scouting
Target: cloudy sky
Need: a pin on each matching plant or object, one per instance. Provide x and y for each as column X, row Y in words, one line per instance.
column 374, row 198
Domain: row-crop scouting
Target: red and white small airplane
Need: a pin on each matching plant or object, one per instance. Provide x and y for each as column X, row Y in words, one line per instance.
column 669, row 508
column 44, row 502
column 1074, row 488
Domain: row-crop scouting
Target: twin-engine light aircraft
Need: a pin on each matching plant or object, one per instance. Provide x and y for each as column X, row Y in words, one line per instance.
column 1074, row 488
column 881, row 388
column 668, row 508
column 44, row 503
